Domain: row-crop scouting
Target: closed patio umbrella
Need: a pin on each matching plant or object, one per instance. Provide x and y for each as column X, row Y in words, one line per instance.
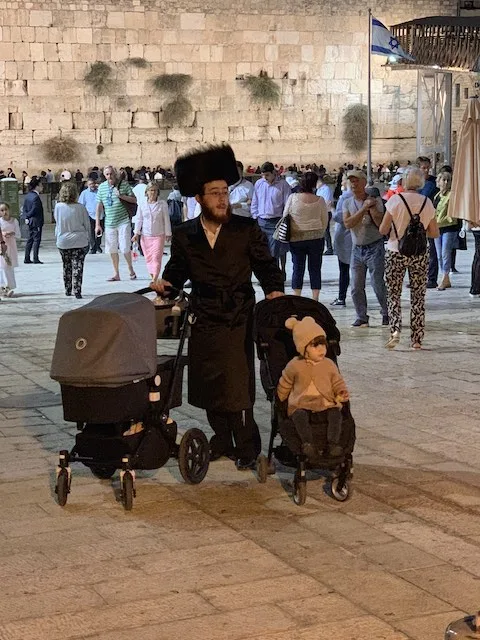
column 465, row 196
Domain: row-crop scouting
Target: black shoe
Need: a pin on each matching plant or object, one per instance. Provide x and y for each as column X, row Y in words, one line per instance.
column 99, row 250
column 27, row 261
column 37, row 262
column 360, row 323
column 385, row 321
column 453, row 270
column 337, row 303
column 328, row 252
column 243, row 464
column 432, row 285
column 68, row 293
column 216, row 455
column 92, row 251
column 78, row 296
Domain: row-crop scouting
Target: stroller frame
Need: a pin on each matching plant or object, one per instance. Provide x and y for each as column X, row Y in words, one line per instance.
column 338, row 471
column 192, row 452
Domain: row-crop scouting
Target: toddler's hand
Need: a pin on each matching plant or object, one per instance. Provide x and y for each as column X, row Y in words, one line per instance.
column 342, row 396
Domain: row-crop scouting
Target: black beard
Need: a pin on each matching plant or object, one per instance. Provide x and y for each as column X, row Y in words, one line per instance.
column 212, row 216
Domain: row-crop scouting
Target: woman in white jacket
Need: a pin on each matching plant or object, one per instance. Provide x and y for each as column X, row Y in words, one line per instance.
column 153, row 223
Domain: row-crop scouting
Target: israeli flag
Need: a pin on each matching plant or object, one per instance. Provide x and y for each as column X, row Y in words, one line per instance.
column 384, row 42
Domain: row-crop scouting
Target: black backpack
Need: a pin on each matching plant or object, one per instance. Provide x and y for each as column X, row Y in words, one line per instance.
column 175, row 210
column 414, row 240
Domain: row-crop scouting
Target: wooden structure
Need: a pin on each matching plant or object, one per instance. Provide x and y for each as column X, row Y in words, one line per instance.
column 442, row 41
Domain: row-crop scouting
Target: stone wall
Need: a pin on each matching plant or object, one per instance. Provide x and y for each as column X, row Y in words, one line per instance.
column 315, row 50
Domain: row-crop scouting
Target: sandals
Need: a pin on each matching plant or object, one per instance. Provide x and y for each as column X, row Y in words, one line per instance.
column 113, row 279
column 133, row 276
column 393, row 340
column 416, row 346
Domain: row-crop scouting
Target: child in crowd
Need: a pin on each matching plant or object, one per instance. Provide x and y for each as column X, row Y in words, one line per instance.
column 312, row 383
column 9, row 258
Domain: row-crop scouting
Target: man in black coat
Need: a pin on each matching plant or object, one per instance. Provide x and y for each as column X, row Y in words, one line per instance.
column 218, row 252
column 33, row 215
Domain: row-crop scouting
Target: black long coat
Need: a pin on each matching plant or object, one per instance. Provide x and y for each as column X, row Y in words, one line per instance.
column 221, row 374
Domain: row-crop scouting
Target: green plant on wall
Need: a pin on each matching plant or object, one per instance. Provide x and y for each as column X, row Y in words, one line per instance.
column 60, row 149
column 175, row 111
column 263, row 90
column 172, row 83
column 355, row 121
column 99, row 78
column 175, row 86
column 139, row 63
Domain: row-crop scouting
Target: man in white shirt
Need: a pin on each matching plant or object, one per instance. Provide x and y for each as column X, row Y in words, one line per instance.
column 241, row 194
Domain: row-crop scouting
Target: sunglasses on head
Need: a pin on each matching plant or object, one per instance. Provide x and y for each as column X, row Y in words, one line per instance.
column 318, row 340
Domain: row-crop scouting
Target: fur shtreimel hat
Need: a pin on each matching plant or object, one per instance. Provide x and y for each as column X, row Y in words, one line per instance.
column 304, row 331
column 199, row 166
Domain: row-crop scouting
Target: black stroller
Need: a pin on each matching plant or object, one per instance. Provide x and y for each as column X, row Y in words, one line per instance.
column 275, row 348
column 119, row 392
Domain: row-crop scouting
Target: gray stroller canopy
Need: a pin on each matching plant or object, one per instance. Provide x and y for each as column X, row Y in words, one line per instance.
column 109, row 342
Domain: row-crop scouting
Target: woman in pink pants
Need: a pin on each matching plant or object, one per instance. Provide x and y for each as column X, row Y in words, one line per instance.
column 153, row 223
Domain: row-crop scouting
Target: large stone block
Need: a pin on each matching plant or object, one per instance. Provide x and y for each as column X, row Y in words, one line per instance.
column 84, row 35
column 40, row 135
column 16, row 87
column 7, row 119
column 36, row 120
column 6, row 51
column 134, row 20
column 10, row 71
column 82, row 136
column 106, row 136
column 24, row 137
column 40, row 18
column 115, row 20
column 85, row 120
column 257, row 37
column 147, row 136
column 120, row 136
column 145, row 120
column 121, row 120
column 185, row 134
column 192, row 21
column 50, row 52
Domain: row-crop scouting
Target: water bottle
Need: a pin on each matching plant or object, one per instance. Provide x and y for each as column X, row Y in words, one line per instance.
column 135, row 251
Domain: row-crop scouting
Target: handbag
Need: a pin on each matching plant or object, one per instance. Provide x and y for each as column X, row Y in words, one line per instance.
column 282, row 230
column 131, row 207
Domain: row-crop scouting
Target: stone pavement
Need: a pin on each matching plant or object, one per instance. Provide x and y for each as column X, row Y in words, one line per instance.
column 230, row 558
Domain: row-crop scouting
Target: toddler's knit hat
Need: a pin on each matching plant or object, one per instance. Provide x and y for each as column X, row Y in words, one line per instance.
column 304, row 331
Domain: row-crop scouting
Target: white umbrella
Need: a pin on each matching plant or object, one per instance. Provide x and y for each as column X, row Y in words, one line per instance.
column 465, row 196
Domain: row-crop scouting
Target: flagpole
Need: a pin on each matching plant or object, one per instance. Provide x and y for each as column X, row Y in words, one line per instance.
column 369, row 99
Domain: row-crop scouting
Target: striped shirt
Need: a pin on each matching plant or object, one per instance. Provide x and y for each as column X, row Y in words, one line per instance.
column 115, row 213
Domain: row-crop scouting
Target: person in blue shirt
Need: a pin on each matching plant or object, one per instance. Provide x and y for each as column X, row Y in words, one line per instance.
column 430, row 190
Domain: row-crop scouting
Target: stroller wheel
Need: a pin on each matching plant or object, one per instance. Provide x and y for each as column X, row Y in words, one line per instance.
column 299, row 488
column 262, row 468
column 193, row 456
column 127, row 491
column 103, row 473
column 62, row 488
column 341, row 491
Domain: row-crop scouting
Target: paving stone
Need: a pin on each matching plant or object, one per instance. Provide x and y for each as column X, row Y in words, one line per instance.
column 399, row 556
column 344, row 530
column 321, row 609
column 426, row 627
column 234, row 625
column 264, row 591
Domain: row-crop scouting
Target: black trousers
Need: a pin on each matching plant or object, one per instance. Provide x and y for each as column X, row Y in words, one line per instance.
column 328, row 235
column 242, row 426
column 475, row 286
column 344, row 279
column 94, row 241
column 432, row 262
column 33, row 242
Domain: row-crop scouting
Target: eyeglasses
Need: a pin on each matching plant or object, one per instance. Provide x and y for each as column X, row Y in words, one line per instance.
column 217, row 194
column 318, row 340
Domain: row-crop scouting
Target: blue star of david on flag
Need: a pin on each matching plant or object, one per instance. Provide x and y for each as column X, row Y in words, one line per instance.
column 384, row 42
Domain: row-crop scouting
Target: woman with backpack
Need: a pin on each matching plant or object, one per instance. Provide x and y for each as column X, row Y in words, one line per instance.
column 408, row 221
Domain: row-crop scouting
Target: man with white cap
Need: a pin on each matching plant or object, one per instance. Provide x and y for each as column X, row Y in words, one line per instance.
column 362, row 214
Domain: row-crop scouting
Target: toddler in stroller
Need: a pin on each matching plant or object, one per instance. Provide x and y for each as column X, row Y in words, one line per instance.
column 278, row 349
column 312, row 384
